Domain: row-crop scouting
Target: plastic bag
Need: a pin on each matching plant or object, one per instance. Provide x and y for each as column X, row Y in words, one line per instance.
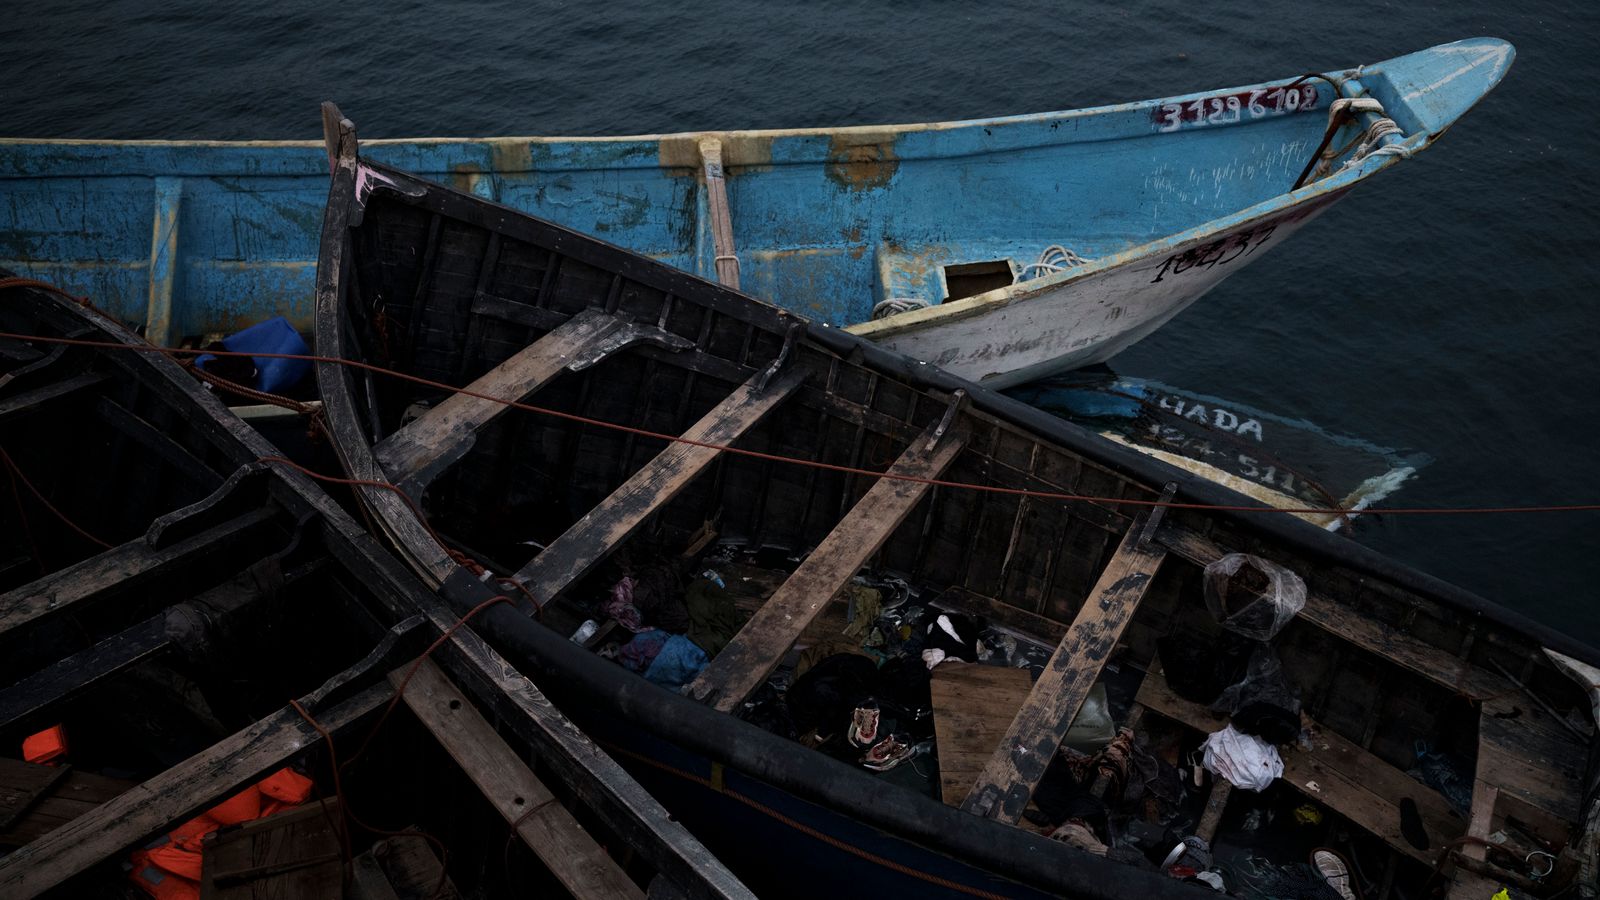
column 1247, row 762
column 1250, row 596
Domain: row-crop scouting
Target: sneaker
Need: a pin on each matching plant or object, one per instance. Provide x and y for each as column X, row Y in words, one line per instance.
column 1334, row 870
column 864, row 726
column 886, row 754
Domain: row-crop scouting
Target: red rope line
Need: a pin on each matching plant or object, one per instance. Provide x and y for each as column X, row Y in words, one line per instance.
column 17, row 475
column 789, row 460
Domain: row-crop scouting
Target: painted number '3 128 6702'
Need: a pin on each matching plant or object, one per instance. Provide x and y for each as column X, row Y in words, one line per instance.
column 1225, row 108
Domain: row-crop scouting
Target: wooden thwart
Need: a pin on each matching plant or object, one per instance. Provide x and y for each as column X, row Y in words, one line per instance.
column 1338, row 772
column 546, row 826
column 588, row 541
column 759, row 646
column 973, row 705
column 417, row 453
column 1006, row 784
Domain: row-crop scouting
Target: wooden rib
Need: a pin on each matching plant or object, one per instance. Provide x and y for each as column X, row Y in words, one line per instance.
column 1370, row 634
column 39, row 396
column 759, row 646
column 179, row 791
column 605, row 526
column 1335, row 772
column 726, row 262
column 546, row 826
column 120, row 568
column 442, row 435
column 1007, row 782
column 74, row 674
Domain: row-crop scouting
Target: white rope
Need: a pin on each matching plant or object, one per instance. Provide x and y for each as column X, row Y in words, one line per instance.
column 1055, row 258
column 894, row 306
column 1371, row 139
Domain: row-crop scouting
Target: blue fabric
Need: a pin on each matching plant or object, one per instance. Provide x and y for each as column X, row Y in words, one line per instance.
column 638, row 654
column 679, row 661
column 274, row 335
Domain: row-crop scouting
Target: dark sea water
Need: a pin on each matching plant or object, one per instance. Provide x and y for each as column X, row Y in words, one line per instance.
column 1448, row 306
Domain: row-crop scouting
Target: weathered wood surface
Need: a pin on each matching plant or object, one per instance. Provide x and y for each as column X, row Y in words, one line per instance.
column 1018, row 760
column 430, row 443
column 401, row 868
column 1366, row 632
column 123, row 567
column 179, row 791
column 759, row 646
column 22, row 784
column 1216, row 805
column 294, row 853
column 1338, row 773
column 1524, row 753
column 607, row 525
column 546, row 826
column 1003, row 614
column 70, row 796
column 973, row 705
column 726, row 262
column 594, row 777
column 74, row 674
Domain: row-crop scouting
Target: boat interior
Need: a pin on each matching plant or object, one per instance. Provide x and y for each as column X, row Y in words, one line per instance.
column 678, row 439
column 184, row 631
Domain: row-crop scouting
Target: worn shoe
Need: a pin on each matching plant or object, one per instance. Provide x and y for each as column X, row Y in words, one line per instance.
column 1334, row 870
column 886, row 754
column 863, row 726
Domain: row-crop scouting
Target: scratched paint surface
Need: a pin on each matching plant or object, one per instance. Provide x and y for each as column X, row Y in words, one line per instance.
column 826, row 223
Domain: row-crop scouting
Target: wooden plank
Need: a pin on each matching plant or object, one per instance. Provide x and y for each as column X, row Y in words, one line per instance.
column 546, row 826
column 22, row 784
column 1006, row 785
column 1338, row 773
column 418, row 452
column 74, row 795
column 40, row 396
column 74, row 674
column 1384, row 640
column 726, row 261
column 973, row 705
column 1216, row 804
column 1004, row 614
column 759, row 646
column 178, row 792
column 607, row 525
column 121, row 568
column 294, row 853
column 1523, row 753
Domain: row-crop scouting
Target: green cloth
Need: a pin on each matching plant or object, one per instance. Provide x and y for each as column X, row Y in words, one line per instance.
column 713, row 620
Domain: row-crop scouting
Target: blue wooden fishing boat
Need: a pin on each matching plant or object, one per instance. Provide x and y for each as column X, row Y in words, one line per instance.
column 1003, row 249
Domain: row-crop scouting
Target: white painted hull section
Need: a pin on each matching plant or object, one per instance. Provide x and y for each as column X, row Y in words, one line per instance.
column 1022, row 335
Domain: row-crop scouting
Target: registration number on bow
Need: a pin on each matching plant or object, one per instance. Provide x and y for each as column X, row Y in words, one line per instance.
column 1225, row 108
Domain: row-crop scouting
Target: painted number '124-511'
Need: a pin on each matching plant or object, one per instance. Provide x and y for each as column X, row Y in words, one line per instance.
column 1225, row 108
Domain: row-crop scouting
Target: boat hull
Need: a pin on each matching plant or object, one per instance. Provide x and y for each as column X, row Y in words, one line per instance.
column 195, row 240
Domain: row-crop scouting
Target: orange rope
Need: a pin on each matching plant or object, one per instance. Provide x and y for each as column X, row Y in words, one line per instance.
column 832, row 467
column 16, row 474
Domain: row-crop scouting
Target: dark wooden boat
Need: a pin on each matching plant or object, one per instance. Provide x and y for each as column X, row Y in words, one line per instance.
column 451, row 290
column 196, row 618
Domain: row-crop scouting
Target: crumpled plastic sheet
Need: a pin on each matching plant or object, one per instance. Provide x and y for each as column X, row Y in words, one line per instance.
column 1247, row 761
column 1263, row 616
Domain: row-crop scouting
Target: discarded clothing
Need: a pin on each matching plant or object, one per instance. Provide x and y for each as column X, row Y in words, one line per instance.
column 825, row 648
column 865, row 605
column 678, row 663
column 957, row 635
column 1251, row 596
column 713, row 620
column 829, row 692
column 637, row 654
column 620, row 606
column 1245, row 760
column 658, row 595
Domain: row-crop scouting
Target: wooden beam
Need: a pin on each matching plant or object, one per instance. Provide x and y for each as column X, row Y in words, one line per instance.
column 759, row 646
column 121, row 568
column 546, row 826
column 1008, row 781
column 726, row 261
column 1370, row 634
column 1338, row 773
column 74, row 674
column 417, row 453
column 39, row 396
column 610, row 523
column 193, row 784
